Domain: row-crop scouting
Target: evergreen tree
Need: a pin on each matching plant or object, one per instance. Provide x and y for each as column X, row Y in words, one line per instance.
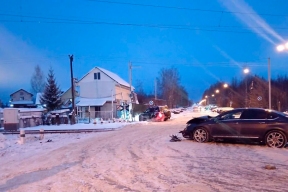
column 51, row 96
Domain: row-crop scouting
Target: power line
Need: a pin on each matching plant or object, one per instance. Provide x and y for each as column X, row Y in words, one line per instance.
column 196, row 64
column 188, row 27
column 52, row 20
column 185, row 8
column 139, row 25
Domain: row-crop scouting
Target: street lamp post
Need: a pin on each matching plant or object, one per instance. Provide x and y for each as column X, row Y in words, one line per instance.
column 246, row 71
column 225, row 85
column 269, row 82
column 207, row 101
column 279, row 48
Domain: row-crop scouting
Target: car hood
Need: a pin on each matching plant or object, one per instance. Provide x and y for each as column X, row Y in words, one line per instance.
column 199, row 120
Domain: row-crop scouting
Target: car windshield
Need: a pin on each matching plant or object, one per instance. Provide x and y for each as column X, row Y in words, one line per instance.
column 229, row 115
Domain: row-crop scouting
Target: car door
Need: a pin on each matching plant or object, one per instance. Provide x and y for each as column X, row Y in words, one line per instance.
column 254, row 123
column 227, row 125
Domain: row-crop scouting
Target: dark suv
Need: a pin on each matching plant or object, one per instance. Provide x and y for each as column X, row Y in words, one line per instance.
column 157, row 113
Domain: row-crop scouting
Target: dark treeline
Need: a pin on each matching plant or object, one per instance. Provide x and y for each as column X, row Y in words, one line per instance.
column 252, row 91
column 168, row 88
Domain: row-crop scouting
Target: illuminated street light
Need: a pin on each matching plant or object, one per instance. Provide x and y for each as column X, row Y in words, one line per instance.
column 225, row 85
column 246, row 71
column 282, row 47
column 217, row 91
column 279, row 48
column 212, row 95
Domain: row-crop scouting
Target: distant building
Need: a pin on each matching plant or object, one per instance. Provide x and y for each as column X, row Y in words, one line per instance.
column 21, row 99
column 66, row 98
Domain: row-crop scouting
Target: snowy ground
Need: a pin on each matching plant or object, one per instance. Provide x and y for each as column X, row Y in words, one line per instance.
column 137, row 157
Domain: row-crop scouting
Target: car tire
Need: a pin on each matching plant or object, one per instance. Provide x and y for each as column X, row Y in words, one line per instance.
column 276, row 139
column 201, row 135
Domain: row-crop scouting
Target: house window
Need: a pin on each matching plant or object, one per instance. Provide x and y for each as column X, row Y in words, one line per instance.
column 97, row 75
column 21, row 98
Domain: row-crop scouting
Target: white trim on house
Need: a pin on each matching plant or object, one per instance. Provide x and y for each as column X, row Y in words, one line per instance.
column 86, row 102
column 22, row 102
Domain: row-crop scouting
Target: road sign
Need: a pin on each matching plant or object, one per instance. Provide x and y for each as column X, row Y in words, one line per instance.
column 259, row 98
column 151, row 102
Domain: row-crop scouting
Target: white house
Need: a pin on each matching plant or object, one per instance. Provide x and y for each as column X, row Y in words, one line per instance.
column 100, row 93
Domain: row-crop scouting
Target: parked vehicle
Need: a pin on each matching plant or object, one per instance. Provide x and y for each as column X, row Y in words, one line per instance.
column 244, row 124
column 156, row 113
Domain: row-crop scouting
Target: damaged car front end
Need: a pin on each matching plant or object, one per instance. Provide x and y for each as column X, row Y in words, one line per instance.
column 191, row 124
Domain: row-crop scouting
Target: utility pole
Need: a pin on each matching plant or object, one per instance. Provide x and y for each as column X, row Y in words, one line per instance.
column 269, row 82
column 155, row 90
column 130, row 81
column 130, row 77
column 246, row 94
column 72, row 91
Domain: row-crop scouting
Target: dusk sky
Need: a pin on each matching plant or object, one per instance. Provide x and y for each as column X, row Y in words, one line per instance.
column 206, row 40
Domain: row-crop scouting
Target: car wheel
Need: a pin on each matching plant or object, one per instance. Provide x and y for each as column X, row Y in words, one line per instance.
column 276, row 139
column 201, row 135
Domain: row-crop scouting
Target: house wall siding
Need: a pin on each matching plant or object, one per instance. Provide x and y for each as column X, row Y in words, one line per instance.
column 96, row 88
column 68, row 95
column 124, row 97
column 17, row 96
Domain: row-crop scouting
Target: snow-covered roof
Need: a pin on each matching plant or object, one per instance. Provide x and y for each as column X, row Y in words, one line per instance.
column 60, row 111
column 22, row 102
column 85, row 102
column 112, row 75
column 26, row 109
column 38, row 96
column 21, row 90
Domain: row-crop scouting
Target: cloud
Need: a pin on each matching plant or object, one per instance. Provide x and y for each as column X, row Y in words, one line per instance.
column 252, row 20
column 18, row 59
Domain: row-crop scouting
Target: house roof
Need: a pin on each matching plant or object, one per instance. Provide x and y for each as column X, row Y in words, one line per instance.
column 110, row 74
column 85, row 102
column 21, row 90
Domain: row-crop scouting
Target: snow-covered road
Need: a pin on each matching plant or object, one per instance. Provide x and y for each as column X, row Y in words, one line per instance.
column 138, row 157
